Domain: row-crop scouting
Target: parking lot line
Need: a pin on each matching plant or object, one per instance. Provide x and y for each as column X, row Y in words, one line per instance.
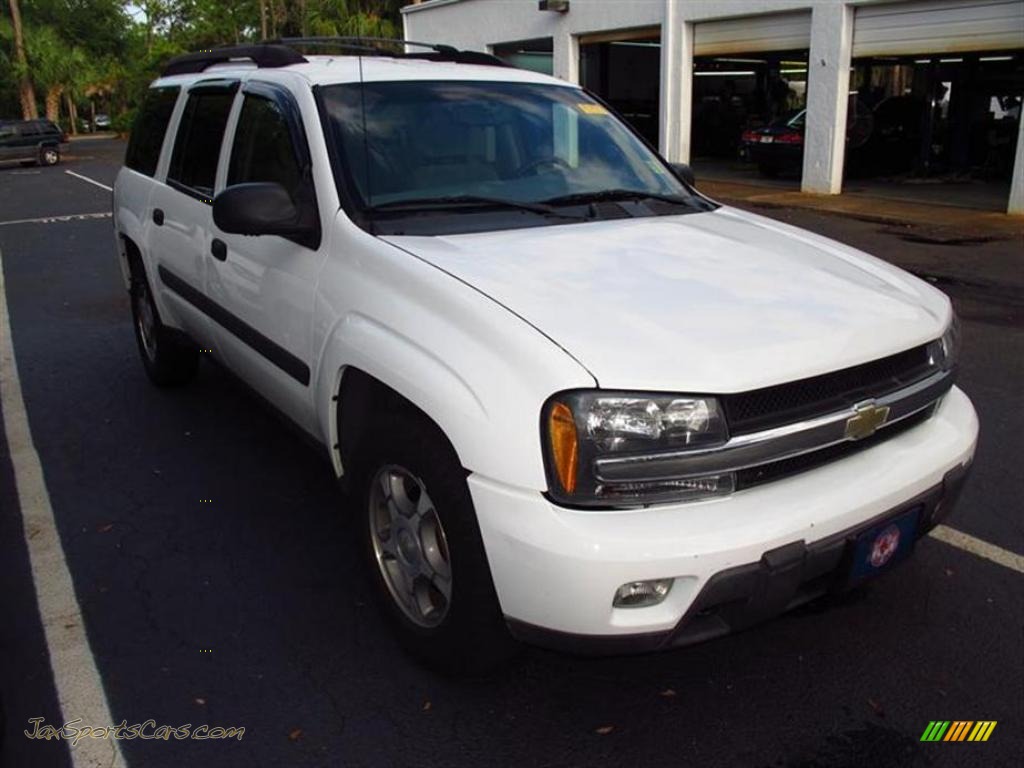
column 979, row 548
column 79, row 689
column 53, row 219
column 91, row 181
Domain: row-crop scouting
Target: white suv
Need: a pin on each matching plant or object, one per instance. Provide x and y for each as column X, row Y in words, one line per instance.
column 575, row 402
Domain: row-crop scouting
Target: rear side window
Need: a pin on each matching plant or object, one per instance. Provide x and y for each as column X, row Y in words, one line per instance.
column 263, row 149
column 28, row 129
column 197, row 147
column 150, row 126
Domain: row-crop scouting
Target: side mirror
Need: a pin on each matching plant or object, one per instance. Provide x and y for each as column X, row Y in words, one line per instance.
column 259, row 209
column 684, row 172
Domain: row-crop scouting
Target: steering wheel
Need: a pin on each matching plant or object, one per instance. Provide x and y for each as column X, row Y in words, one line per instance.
column 540, row 162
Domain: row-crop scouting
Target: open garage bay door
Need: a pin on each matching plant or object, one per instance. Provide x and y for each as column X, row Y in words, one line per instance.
column 938, row 26
column 753, row 34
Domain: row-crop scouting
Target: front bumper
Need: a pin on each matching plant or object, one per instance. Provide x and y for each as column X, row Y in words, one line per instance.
column 735, row 561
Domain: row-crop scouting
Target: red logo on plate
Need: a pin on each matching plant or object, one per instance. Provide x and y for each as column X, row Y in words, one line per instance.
column 885, row 546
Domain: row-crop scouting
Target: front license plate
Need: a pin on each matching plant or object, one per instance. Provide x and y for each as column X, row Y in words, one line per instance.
column 882, row 546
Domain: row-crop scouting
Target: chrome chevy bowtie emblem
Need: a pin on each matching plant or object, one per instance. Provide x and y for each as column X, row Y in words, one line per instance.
column 869, row 417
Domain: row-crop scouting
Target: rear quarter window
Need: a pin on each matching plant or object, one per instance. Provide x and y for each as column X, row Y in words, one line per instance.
column 148, row 132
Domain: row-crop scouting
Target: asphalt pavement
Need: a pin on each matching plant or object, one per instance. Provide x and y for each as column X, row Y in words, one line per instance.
column 249, row 610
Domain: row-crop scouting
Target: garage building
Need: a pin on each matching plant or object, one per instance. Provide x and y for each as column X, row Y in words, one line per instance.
column 915, row 97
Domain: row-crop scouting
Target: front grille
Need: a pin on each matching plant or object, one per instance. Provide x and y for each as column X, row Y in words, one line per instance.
column 776, row 470
column 798, row 400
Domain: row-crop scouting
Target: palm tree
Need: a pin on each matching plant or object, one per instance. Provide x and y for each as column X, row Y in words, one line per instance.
column 26, row 92
column 53, row 66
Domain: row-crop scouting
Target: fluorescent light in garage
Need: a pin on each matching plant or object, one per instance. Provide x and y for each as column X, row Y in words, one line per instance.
column 735, row 73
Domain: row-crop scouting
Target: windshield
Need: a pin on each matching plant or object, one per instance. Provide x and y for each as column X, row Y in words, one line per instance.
column 516, row 153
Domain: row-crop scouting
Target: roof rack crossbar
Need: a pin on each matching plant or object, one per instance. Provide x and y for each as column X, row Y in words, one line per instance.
column 360, row 42
column 263, row 55
column 372, row 45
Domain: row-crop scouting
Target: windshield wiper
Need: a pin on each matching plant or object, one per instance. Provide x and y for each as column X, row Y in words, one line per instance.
column 467, row 201
column 616, row 195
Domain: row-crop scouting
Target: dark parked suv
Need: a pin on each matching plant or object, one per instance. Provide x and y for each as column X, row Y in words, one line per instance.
column 37, row 141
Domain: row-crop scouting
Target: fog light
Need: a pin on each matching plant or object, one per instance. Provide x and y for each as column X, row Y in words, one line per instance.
column 640, row 594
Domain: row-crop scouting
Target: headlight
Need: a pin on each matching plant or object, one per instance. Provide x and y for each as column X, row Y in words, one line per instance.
column 585, row 432
column 945, row 352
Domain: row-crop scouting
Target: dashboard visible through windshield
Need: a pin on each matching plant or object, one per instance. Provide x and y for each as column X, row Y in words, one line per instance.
column 440, row 157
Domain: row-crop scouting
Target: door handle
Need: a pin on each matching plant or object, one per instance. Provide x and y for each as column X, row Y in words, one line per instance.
column 158, row 217
column 219, row 249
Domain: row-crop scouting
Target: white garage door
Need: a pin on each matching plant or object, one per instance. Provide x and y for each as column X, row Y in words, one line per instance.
column 753, row 34
column 938, row 26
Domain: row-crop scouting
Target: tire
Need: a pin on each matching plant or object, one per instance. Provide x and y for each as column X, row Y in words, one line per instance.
column 169, row 361
column 49, row 156
column 465, row 632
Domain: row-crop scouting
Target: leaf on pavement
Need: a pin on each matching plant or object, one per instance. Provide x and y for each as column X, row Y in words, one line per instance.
column 105, row 528
column 604, row 730
column 668, row 693
column 295, row 734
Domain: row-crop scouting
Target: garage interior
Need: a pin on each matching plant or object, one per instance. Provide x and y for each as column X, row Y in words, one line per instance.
column 924, row 125
column 624, row 69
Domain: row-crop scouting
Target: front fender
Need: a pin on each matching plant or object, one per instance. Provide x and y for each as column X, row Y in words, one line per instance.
column 480, row 372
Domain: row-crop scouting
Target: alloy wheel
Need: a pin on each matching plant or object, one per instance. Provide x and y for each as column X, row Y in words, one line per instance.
column 409, row 545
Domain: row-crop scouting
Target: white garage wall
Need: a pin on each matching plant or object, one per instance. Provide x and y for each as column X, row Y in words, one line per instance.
column 480, row 24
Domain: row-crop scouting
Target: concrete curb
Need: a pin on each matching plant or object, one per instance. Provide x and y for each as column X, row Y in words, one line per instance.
column 951, row 220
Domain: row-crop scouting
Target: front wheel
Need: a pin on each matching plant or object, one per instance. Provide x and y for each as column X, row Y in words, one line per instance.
column 49, row 156
column 423, row 548
column 169, row 361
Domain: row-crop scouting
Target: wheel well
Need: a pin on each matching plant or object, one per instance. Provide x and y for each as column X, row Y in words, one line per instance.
column 132, row 255
column 360, row 398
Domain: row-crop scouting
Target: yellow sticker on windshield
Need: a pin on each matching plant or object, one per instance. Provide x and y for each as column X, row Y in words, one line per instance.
column 592, row 109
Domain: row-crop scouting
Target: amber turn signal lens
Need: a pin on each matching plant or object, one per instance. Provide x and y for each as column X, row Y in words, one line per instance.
column 564, row 446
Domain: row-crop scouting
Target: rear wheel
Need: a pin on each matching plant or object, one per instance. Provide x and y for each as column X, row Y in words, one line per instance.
column 49, row 156
column 169, row 360
column 423, row 548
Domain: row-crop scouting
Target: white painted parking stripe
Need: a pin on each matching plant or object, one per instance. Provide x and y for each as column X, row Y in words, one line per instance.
column 979, row 548
column 79, row 689
column 91, row 181
column 54, row 219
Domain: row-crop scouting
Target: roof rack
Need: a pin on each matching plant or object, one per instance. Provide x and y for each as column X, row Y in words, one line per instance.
column 281, row 53
column 373, row 46
column 262, row 55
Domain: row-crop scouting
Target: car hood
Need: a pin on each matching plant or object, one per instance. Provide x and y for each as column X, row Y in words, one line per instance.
column 717, row 302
